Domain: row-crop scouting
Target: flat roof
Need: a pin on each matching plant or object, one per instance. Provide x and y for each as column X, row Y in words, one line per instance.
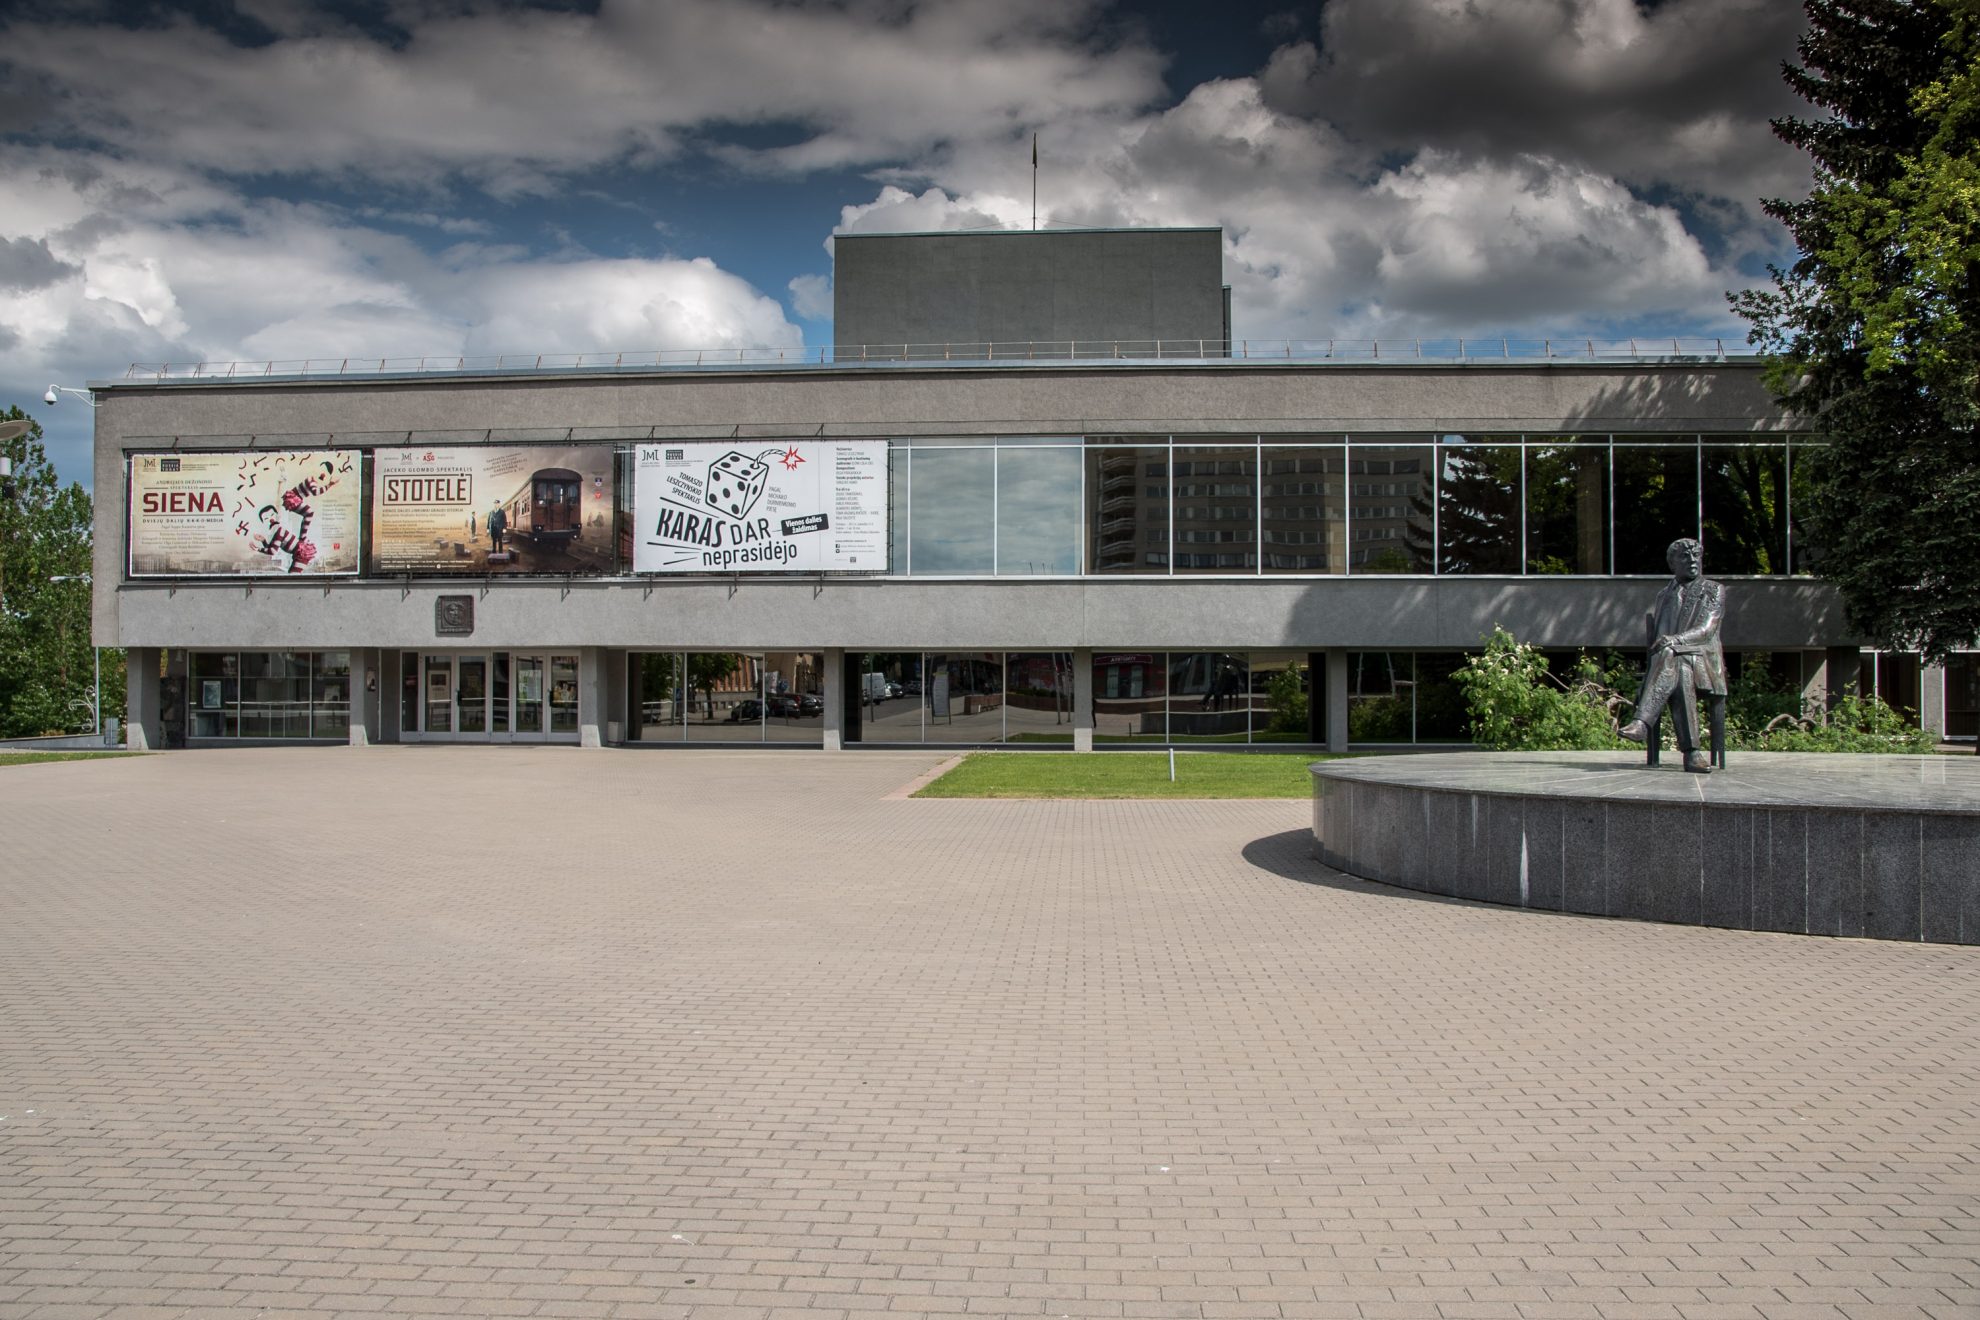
column 1454, row 354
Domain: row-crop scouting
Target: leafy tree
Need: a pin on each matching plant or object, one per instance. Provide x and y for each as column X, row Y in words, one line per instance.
column 1875, row 329
column 46, row 669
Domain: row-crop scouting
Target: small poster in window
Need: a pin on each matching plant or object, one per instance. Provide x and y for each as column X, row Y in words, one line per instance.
column 209, row 694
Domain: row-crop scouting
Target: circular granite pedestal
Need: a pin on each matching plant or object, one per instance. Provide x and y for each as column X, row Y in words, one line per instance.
column 1881, row 846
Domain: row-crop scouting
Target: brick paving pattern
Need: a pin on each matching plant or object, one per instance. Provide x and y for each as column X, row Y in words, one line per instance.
column 548, row 1032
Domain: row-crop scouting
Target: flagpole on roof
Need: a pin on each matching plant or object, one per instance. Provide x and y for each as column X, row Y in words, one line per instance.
column 1034, row 183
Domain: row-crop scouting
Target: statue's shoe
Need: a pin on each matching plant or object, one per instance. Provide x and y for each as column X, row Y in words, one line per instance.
column 1699, row 763
column 1634, row 731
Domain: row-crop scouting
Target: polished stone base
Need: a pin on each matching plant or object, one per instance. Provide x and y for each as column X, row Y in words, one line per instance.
column 1886, row 847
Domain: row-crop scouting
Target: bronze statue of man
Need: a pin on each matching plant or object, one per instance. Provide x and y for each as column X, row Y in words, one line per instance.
column 1685, row 658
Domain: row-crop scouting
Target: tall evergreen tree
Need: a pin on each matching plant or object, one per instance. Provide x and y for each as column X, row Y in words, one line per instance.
column 46, row 669
column 1875, row 328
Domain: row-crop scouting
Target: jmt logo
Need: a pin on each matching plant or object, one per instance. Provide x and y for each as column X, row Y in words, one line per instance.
column 649, row 456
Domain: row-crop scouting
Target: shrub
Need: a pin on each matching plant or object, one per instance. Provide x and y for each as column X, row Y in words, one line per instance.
column 1517, row 705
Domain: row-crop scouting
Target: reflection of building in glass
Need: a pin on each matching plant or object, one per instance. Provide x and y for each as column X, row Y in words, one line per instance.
column 1126, row 541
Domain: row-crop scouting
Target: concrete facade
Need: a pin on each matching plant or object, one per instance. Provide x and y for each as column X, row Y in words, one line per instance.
column 925, row 293
column 602, row 618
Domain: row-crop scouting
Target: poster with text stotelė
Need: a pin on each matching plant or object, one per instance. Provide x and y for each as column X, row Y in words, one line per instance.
column 475, row 509
column 244, row 512
column 760, row 506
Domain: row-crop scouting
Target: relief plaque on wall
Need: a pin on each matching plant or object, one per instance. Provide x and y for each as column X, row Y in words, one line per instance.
column 453, row 616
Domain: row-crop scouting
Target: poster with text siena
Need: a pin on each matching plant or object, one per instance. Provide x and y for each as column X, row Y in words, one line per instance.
column 244, row 512
column 756, row 506
column 492, row 509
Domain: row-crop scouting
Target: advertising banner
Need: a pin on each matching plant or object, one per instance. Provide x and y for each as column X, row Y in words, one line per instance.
column 729, row 506
column 473, row 509
column 244, row 512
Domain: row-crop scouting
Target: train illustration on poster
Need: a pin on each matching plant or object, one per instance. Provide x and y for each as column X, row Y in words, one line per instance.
column 548, row 508
column 472, row 509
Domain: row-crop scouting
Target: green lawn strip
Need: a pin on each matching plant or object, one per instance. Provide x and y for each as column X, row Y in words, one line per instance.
column 1127, row 775
column 29, row 758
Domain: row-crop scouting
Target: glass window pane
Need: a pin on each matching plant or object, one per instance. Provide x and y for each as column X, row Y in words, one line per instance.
column 1440, row 713
column 1130, row 697
column 661, row 697
column 1127, row 502
column 330, row 700
column 892, row 697
column 1038, row 511
column 439, row 696
column 1656, row 503
column 498, row 691
column 1381, row 697
column 1805, row 548
column 408, row 691
column 1389, row 508
column 1038, row 697
column 1963, row 695
column 214, row 695
column 1208, row 697
column 531, row 687
column 1567, row 505
column 964, row 697
column 898, row 512
column 724, row 697
column 1478, row 505
column 1280, row 697
column 950, row 532
column 1746, row 503
column 1216, row 510
column 793, row 701
column 1304, row 493
column 563, row 694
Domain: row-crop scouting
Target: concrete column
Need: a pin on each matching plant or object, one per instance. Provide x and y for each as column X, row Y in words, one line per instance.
column 1814, row 682
column 143, row 729
column 366, row 700
column 1932, row 700
column 832, row 691
column 1337, row 700
column 1082, row 677
column 391, row 680
column 1844, row 666
column 617, row 698
column 591, row 696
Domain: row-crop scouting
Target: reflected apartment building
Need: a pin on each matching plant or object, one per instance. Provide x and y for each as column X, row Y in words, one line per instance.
column 1037, row 496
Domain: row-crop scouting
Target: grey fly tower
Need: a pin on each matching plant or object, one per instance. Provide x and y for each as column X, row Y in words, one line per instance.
column 1095, row 292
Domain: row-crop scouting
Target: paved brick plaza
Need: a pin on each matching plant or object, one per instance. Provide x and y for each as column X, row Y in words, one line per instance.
column 495, row 1031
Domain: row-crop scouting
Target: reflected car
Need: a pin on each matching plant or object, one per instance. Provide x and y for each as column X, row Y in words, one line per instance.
column 782, row 705
column 745, row 712
column 811, row 704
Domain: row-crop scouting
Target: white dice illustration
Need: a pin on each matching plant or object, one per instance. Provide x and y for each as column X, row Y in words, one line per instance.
column 735, row 483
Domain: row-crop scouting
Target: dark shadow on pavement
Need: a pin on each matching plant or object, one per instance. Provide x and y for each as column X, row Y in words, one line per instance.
column 1290, row 854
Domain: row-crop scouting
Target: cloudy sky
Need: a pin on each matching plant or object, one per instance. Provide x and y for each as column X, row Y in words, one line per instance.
column 221, row 180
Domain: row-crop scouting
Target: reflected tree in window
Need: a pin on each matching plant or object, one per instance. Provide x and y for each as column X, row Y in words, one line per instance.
column 1746, row 503
column 1567, row 506
column 1478, row 510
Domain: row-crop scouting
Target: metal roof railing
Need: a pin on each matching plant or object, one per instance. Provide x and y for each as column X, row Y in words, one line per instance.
column 1396, row 351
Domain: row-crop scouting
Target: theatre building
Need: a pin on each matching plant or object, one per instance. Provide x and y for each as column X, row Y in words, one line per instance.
column 1037, row 496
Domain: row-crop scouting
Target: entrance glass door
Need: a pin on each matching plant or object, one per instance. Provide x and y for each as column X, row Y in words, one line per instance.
column 439, row 701
column 471, row 694
column 529, row 696
column 497, row 696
